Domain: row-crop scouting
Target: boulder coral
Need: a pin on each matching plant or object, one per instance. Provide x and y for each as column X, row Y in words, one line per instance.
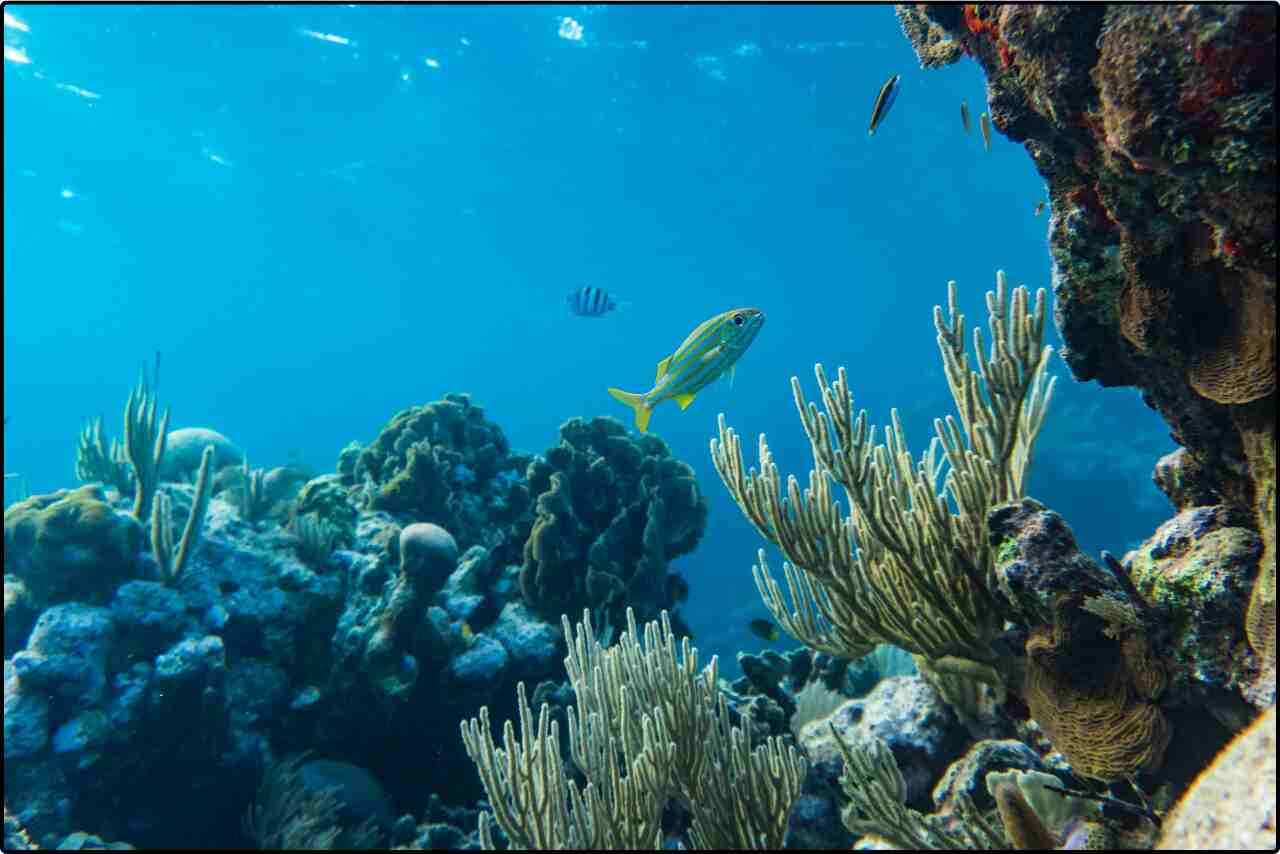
column 444, row 462
column 612, row 512
column 184, row 447
column 71, row 545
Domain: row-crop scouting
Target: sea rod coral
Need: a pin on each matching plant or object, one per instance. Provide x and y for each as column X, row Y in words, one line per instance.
column 902, row 568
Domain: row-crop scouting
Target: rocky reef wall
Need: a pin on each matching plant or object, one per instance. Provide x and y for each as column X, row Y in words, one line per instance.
column 1154, row 128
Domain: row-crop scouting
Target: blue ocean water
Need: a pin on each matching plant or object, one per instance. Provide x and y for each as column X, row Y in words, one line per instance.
column 323, row 215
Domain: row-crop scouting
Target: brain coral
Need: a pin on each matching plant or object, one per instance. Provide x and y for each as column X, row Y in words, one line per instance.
column 1235, row 360
column 1093, row 694
column 612, row 511
column 70, row 545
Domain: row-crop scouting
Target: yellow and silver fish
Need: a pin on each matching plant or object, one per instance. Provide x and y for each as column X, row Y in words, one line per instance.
column 985, row 122
column 888, row 94
column 964, row 114
column 709, row 351
column 1039, row 207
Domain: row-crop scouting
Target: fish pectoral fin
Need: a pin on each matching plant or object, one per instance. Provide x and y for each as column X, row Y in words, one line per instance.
column 732, row 370
column 662, row 368
column 684, row 399
column 711, row 354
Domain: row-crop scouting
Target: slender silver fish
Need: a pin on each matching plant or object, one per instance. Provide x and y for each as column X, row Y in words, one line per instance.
column 888, row 94
column 964, row 115
column 985, row 123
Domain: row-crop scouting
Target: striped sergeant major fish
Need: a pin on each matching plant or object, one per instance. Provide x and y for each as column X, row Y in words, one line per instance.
column 888, row 94
column 588, row 301
column 709, row 351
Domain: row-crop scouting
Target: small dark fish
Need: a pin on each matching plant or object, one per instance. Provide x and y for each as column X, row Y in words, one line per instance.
column 1039, row 208
column 964, row 114
column 764, row 629
column 588, row 301
column 985, row 122
column 888, row 94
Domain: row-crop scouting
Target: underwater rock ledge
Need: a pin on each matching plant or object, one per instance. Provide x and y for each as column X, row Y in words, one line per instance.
column 1154, row 128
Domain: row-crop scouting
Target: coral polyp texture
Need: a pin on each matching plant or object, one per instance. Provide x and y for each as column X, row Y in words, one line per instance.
column 70, row 546
column 444, row 462
column 612, row 511
column 1103, row 718
column 1154, row 127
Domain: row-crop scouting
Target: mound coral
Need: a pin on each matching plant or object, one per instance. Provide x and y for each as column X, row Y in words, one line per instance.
column 444, row 462
column 70, row 545
column 612, row 512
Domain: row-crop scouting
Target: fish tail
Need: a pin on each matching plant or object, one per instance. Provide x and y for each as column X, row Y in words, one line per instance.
column 622, row 306
column 637, row 402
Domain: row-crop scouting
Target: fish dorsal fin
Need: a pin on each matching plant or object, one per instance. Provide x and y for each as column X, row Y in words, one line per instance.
column 662, row 368
column 684, row 399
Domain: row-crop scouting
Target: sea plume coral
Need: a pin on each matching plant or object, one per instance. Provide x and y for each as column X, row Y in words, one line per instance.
column 902, row 568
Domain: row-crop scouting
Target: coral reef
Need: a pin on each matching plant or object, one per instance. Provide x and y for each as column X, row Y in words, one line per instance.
column 647, row 726
column 388, row 618
column 71, row 545
column 1154, row 128
column 1102, row 718
column 902, row 568
column 595, row 522
column 445, row 463
column 325, row 501
column 439, row 562
column 184, row 449
column 612, row 512
column 1082, row 652
column 908, row 717
column 1196, row 569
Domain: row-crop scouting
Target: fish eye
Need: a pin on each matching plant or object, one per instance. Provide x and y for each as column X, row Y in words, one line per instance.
column 737, row 320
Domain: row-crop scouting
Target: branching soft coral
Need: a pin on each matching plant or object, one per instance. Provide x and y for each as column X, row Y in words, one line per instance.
column 902, row 568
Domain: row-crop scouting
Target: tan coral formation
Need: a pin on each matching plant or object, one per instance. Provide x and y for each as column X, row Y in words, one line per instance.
column 1094, row 699
column 1236, row 361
